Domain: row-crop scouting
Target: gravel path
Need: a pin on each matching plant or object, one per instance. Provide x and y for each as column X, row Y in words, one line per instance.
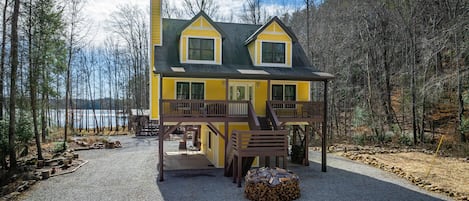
column 130, row 173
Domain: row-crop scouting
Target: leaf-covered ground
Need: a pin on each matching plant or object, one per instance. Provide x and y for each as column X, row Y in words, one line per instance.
column 445, row 175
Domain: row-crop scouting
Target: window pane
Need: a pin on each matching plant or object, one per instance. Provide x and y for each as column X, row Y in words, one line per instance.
column 240, row 93
column 207, row 44
column 279, row 47
column 232, row 94
column 182, row 90
column 194, row 54
column 206, row 55
column 277, row 92
column 279, row 53
column 194, row 43
column 290, row 92
column 197, row 91
column 266, row 52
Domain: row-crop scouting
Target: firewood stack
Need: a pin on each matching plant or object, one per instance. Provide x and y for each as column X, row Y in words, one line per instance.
column 271, row 184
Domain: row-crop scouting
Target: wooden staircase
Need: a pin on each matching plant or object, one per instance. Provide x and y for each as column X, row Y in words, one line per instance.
column 262, row 140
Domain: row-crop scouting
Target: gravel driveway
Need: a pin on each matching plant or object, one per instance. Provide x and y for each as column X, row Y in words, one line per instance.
column 127, row 173
column 130, row 173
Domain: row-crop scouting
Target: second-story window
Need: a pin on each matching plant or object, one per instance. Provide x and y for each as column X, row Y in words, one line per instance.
column 273, row 52
column 201, row 49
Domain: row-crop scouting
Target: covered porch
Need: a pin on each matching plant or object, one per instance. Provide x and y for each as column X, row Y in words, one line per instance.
column 176, row 112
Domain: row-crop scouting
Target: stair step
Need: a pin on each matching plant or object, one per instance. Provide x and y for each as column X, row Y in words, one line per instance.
column 265, row 123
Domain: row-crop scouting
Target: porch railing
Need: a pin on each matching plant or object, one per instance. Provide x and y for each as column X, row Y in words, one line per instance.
column 204, row 108
column 297, row 109
column 260, row 143
column 257, row 143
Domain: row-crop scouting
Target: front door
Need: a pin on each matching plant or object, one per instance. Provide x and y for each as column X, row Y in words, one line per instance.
column 240, row 92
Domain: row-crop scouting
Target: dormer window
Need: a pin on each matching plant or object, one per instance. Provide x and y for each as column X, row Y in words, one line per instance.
column 201, row 49
column 273, row 52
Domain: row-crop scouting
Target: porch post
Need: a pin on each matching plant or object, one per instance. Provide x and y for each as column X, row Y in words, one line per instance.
column 161, row 131
column 306, row 161
column 268, row 90
column 267, row 158
column 227, row 137
column 324, row 131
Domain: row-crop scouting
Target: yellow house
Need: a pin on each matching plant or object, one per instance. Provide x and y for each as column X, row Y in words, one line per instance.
column 225, row 78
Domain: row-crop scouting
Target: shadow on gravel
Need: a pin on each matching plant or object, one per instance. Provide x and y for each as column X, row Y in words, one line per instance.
column 336, row 184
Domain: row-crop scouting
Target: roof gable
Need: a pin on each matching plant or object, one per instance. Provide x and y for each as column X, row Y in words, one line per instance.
column 208, row 19
column 264, row 27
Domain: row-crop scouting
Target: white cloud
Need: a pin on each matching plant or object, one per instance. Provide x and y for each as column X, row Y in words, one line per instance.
column 98, row 12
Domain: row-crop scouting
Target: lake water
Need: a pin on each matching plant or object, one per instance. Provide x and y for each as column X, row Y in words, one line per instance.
column 87, row 119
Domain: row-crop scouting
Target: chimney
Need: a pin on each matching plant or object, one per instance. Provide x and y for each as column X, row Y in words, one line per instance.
column 156, row 23
column 156, row 39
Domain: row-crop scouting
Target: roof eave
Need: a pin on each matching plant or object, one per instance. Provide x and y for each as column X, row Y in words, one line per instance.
column 242, row 76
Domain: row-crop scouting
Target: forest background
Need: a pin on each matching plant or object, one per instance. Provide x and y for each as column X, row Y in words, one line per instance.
column 401, row 66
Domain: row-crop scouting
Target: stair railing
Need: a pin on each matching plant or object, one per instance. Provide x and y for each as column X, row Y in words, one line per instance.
column 272, row 116
column 253, row 122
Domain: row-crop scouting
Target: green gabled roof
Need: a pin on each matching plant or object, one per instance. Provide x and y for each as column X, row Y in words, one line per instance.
column 203, row 14
column 236, row 61
column 274, row 19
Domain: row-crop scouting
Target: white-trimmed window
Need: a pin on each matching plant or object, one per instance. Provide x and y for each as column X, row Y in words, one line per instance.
column 190, row 90
column 273, row 53
column 201, row 49
column 285, row 92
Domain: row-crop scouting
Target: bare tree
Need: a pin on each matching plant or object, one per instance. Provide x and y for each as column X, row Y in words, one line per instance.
column 75, row 7
column 13, row 87
column 252, row 12
column 3, row 55
column 130, row 24
column 193, row 7
column 169, row 10
column 33, row 82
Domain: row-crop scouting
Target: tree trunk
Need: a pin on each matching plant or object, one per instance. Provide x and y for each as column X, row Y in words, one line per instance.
column 14, row 70
column 68, row 79
column 67, row 94
column 413, row 88
column 462, row 136
column 387, row 75
column 44, row 108
column 33, row 83
column 2, row 59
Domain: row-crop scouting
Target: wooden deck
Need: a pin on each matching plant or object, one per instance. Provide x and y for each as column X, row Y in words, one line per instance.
column 238, row 111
